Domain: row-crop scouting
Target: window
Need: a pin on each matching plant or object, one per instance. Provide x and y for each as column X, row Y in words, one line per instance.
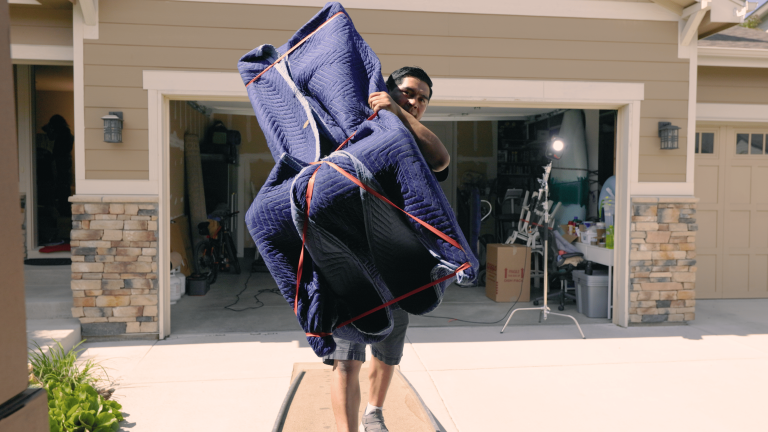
column 753, row 144
column 705, row 142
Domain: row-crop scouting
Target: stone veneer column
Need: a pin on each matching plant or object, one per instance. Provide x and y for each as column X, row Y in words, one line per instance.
column 662, row 260
column 114, row 265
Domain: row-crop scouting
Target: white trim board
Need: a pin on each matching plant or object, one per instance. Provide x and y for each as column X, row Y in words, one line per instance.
column 46, row 53
column 164, row 86
column 733, row 57
column 597, row 9
column 25, row 125
column 732, row 112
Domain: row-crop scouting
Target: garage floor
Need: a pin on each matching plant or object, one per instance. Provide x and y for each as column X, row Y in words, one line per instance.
column 206, row 314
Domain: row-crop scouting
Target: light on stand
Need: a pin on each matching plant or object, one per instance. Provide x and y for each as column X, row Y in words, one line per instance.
column 554, row 152
column 555, row 148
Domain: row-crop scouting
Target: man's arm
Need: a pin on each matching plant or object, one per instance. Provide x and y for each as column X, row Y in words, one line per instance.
column 431, row 147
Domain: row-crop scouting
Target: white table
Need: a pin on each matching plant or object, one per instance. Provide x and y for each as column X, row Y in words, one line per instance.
column 601, row 256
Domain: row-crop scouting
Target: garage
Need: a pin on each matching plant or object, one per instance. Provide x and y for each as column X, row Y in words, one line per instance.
column 732, row 241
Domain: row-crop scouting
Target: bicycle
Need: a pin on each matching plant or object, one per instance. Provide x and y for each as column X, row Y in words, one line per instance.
column 217, row 252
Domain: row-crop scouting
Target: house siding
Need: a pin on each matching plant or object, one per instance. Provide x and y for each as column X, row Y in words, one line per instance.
column 732, row 85
column 137, row 35
column 34, row 25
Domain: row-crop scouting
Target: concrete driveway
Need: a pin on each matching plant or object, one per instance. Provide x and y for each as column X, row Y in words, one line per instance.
column 706, row 376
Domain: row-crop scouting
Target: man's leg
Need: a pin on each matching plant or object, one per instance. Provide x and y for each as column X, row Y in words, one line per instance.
column 386, row 354
column 345, row 394
column 380, row 378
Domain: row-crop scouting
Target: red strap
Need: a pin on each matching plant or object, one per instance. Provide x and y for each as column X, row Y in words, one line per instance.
column 310, row 190
column 381, row 197
column 408, row 294
column 294, row 47
column 535, row 224
column 353, row 133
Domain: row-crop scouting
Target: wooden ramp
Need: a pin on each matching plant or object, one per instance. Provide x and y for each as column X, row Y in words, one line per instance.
column 307, row 406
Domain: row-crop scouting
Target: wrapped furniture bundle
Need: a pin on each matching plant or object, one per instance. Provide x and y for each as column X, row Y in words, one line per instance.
column 376, row 226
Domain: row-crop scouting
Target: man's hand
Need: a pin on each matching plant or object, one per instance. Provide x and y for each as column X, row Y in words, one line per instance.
column 434, row 151
column 383, row 101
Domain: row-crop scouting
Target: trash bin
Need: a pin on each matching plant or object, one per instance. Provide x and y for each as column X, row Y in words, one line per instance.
column 592, row 293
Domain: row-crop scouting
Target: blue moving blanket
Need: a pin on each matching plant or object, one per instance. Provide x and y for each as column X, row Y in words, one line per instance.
column 360, row 252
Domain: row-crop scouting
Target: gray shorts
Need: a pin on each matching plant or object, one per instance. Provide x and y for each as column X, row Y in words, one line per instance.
column 389, row 351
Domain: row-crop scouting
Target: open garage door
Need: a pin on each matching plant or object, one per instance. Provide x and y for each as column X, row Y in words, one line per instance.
column 732, row 242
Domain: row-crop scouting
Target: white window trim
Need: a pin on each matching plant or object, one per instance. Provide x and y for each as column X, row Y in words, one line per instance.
column 547, row 8
column 163, row 86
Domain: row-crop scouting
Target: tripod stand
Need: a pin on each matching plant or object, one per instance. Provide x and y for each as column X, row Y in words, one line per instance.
column 543, row 204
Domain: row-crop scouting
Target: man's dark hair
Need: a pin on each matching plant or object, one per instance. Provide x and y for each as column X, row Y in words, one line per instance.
column 396, row 78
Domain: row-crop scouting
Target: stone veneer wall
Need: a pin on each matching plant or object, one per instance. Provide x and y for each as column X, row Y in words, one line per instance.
column 662, row 260
column 114, row 265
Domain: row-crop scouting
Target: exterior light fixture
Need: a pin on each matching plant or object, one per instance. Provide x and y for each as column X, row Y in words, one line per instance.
column 669, row 135
column 113, row 127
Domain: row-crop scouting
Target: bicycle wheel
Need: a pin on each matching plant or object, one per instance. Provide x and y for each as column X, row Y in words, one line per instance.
column 230, row 254
column 206, row 261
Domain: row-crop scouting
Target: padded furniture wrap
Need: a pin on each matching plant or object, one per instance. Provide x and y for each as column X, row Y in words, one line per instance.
column 360, row 251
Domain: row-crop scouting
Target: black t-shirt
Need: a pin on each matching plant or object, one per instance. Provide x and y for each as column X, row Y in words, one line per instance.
column 441, row 175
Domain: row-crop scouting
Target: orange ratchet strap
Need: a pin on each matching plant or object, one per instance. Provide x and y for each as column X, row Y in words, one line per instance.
column 535, row 224
column 310, row 190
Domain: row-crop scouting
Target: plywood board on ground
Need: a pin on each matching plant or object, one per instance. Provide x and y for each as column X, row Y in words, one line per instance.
column 311, row 408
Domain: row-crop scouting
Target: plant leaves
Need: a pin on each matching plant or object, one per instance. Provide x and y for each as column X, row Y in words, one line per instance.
column 87, row 418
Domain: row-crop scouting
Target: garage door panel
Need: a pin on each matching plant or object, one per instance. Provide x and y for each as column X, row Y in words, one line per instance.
column 737, row 228
column 735, row 275
column 706, row 236
column 706, row 276
column 731, row 183
column 760, row 194
column 707, row 181
column 758, row 278
column 759, row 235
column 739, row 185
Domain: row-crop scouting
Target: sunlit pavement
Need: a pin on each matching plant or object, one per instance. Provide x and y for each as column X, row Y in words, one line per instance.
column 705, row 376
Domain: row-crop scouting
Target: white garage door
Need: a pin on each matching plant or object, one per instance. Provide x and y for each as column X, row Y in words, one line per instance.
column 731, row 180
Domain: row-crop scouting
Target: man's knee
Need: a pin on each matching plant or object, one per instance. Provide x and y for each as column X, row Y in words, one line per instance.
column 347, row 367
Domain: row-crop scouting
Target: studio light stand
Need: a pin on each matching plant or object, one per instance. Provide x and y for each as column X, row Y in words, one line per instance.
column 554, row 152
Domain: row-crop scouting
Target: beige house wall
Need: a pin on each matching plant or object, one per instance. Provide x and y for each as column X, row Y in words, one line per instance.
column 34, row 25
column 732, row 85
column 139, row 35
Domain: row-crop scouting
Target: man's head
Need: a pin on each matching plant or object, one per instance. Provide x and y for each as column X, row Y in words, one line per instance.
column 56, row 125
column 411, row 88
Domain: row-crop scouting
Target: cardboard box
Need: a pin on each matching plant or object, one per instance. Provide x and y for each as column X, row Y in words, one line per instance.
column 568, row 237
column 508, row 273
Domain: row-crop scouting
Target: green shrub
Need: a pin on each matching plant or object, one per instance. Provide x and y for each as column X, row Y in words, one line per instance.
column 58, row 366
column 751, row 22
column 81, row 409
column 74, row 405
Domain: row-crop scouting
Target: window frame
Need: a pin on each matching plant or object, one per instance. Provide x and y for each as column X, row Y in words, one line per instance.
column 749, row 131
column 716, row 146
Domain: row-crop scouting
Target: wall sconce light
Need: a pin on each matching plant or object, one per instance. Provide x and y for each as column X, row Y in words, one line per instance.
column 113, row 127
column 669, row 135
